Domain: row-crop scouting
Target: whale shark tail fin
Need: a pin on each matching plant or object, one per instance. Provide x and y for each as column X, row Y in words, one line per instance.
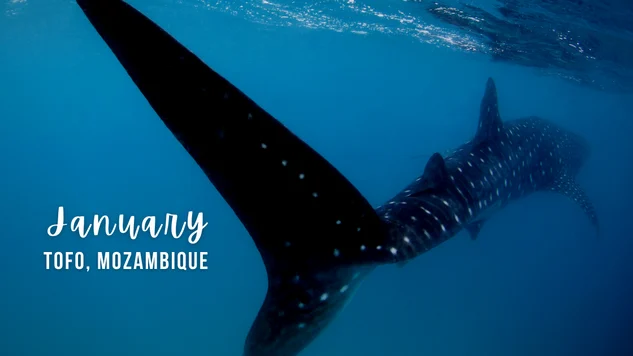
column 316, row 233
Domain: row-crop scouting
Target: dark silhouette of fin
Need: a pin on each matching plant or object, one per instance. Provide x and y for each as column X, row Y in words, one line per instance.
column 490, row 124
column 474, row 228
column 312, row 228
column 435, row 175
column 569, row 188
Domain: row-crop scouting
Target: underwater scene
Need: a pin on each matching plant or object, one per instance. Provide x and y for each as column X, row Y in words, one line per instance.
column 316, row 178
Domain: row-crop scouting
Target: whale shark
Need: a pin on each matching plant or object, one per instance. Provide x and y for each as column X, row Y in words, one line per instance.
column 505, row 161
column 316, row 233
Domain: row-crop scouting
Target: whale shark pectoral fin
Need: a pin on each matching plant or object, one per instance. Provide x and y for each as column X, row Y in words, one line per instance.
column 435, row 174
column 490, row 124
column 305, row 218
column 474, row 228
column 569, row 188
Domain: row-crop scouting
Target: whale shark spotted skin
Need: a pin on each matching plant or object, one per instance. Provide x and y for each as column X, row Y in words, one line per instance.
column 505, row 161
column 317, row 235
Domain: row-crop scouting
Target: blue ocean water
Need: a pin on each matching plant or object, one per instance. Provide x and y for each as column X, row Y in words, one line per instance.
column 376, row 96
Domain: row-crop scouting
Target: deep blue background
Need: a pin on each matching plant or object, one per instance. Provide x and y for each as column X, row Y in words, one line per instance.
column 76, row 132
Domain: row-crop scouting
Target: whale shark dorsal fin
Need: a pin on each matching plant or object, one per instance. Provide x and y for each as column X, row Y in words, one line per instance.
column 490, row 124
column 316, row 234
column 435, row 174
column 566, row 186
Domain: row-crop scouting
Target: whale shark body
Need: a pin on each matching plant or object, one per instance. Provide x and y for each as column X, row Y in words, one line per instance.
column 317, row 235
column 503, row 162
